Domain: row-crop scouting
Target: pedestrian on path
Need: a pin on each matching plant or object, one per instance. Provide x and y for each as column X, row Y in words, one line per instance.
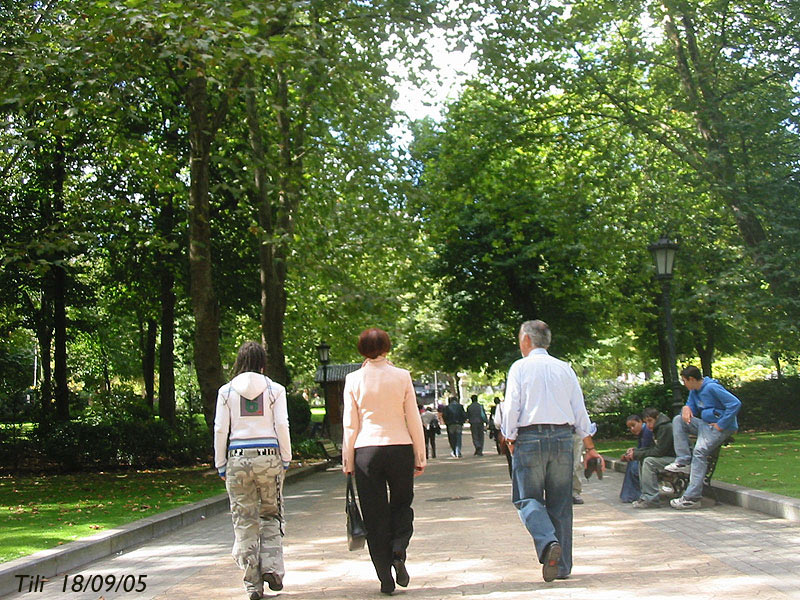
column 543, row 406
column 383, row 445
column 476, row 415
column 454, row 417
column 710, row 414
column 430, row 422
column 252, row 449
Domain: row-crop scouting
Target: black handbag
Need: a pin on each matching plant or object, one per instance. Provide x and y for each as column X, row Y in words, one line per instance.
column 356, row 532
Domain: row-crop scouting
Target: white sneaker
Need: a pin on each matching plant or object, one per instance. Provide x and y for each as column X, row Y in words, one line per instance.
column 676, row 467
column 684, row 503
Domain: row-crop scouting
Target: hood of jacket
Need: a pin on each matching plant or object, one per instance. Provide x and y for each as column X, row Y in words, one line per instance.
column 249, row 385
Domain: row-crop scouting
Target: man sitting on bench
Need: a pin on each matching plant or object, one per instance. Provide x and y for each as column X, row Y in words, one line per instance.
column 710, row 414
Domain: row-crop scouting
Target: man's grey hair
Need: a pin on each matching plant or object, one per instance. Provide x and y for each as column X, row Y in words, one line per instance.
column 538, row 333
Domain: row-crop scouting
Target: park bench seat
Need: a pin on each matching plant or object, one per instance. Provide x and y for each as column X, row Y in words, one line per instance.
column 674, row 484
column 332, row 452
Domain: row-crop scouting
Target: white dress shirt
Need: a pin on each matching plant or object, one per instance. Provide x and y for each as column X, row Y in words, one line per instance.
column 542, row 390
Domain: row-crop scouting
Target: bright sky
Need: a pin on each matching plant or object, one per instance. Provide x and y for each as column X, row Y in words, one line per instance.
column 451, row 69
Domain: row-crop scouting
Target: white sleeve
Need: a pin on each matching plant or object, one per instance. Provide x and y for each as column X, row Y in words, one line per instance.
column 280, row 414
column 583, row 425
column 222, row 425
column 510, row 420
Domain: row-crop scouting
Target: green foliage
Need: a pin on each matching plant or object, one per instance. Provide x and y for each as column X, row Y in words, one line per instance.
column 119, row 431
column 306, row 448
column 299, row 414
column 610, row 410
column 769, row 404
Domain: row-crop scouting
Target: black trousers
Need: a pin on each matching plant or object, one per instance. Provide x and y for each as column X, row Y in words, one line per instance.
column 430, row 441
column 388, row 517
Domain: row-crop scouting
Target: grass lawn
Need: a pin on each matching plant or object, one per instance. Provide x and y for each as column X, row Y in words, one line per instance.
column 39, row 512
column 768, row 461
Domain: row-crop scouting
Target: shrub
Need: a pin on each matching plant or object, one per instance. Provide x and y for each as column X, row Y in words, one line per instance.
column 611, row 421
column 769, row 404
column 119, row 431
column 306, row 448
column 299, row 414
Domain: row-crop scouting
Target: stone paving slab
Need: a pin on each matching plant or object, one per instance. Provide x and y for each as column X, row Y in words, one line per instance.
column 469, row 544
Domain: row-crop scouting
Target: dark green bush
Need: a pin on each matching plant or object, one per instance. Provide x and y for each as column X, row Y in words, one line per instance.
column 769, row 404
column 119, row 431
column 611, row 422
column 306, row 448
column 299, row 414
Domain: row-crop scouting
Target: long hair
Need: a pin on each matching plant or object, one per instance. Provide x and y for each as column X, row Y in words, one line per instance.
column 251, row 358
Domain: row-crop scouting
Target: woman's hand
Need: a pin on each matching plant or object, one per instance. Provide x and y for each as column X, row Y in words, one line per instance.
column 418, row 471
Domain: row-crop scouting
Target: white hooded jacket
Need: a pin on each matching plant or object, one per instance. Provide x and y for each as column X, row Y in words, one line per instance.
column 251, row 410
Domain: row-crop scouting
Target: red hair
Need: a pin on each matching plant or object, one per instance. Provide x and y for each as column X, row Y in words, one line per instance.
column 373, row 342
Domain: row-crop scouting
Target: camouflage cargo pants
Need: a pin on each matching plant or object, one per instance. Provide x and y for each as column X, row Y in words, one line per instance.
column 255, row 487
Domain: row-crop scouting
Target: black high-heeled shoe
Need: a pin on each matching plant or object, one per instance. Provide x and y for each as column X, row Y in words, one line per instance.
column 401, row 574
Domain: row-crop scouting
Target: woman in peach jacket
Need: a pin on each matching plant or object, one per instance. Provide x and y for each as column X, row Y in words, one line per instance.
column 384, row 446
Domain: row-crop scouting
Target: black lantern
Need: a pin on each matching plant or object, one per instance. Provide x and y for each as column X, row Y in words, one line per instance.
column 663, row 252
column 324, row 351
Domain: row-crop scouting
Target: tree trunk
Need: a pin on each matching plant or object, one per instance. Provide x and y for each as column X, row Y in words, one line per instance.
column 166, row 357
column 776, row 358
column 149, row 362
column 272, row 252
column 44, row 333
column 207, row 361
column 60, row 292
column 706, row 351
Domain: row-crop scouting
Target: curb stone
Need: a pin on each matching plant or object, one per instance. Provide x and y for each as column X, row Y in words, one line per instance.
column 775, row 505
column 67, row 557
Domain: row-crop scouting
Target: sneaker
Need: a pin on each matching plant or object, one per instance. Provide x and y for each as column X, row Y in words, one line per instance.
column 683, row 503
column 576, row 499
column 676, row 467
column 552, row 555
column 642, row 503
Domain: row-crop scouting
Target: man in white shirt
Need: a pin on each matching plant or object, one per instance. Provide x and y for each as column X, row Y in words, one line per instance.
column 543, row 406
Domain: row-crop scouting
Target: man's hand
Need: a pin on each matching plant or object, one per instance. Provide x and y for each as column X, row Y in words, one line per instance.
column 510, row 447
column 593, row 453
column 716, row 426
column 686, row 414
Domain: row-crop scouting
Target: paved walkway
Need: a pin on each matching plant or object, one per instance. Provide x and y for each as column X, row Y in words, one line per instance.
column 469, row 543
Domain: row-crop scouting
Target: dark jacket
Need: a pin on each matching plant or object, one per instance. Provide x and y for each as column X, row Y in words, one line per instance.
column 476, row 413
column 454, row 414
column 662, row 432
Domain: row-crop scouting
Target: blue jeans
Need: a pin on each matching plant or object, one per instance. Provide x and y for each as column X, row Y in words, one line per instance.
column 708, row 439
column 541, row 481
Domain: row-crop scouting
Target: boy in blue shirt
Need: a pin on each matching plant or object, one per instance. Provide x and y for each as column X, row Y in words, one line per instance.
column 710, row 413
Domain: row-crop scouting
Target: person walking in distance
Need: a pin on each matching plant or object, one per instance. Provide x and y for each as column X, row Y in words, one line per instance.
column 543, row 406
column 384, row 446
column 476, row 415
column 252, row 449
column 454, row 417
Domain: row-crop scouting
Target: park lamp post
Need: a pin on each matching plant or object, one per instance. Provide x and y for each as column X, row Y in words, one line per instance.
column 324, row 352
column 663, row 252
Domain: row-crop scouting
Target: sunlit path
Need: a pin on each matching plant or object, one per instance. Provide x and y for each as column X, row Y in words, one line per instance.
column 469, row 543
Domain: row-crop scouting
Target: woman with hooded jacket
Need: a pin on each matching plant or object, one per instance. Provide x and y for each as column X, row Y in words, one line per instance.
column 252, row 449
